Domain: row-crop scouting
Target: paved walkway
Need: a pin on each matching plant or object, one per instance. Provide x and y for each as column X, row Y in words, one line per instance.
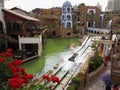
column 96, row 83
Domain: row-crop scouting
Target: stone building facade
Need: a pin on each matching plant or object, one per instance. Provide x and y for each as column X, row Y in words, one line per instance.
column 77, row 19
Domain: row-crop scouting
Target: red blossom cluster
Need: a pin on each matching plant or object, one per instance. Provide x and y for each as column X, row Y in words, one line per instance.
column 53, row 78
column 46, row 77
column 19, row 76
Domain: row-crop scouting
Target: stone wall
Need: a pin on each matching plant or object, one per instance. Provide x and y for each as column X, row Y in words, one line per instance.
column 54, row 15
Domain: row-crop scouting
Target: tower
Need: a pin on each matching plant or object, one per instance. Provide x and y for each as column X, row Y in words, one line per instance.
column 66, row 17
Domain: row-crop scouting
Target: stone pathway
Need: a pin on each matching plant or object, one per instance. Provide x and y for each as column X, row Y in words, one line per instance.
column 96, row 83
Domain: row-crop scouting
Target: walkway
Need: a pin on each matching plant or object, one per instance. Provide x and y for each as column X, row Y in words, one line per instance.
column 96, row 83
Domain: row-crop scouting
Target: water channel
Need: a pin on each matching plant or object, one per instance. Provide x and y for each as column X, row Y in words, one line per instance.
column 52, row 54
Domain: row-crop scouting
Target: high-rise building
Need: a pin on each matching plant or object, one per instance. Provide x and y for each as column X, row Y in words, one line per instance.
column 113, row 5
column 110, row 5
column 116, row 5
column 1, row 3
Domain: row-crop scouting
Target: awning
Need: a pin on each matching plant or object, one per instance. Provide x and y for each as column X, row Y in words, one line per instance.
column 26, row 17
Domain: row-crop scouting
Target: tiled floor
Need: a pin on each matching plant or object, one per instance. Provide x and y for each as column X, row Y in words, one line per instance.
column 96, row 83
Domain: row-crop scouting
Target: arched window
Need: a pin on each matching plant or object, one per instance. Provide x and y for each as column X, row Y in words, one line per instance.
column 68, row 9
column 68, row 17
column 63, row 9
column 91, row 31
column 95, row 32
column 63, row 17
column 68, row 25
column 1, row 27
column 62, row 23
column 78, row 18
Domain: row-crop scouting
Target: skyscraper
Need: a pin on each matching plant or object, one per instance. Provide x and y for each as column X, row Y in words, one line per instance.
column 116, row 5
column 113, row 5
column 1, row 3
column 110, row 5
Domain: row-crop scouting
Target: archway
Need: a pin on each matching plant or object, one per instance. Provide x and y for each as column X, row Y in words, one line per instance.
column 94, row 32
column 53, row 33
column 1, row 27
column 68, row 34
column 68, row 25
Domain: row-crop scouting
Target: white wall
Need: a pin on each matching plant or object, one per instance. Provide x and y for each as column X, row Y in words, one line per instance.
column 31, row 40
column 2, row 20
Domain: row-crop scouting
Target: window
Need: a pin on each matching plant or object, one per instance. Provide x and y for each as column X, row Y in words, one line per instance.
column 78, row 18
column 14, row 25
column 63, row 9
column 68, row 25
column 1, row 27
column 68, row 17
column 63, row 17
column 63, row 23
column 68, row 9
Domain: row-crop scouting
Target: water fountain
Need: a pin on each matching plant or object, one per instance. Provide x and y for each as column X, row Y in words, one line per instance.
column 101, row 20
column 109, row 24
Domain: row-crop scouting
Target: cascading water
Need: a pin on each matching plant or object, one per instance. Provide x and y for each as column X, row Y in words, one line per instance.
column 101, row 20
column 109, row 24
column 67, row 65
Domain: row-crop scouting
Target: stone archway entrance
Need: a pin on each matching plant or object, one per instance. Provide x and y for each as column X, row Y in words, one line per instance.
column 1, row 27
column 54, row 33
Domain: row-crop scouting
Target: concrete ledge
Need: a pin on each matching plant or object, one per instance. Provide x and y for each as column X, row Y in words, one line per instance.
column 94, row 73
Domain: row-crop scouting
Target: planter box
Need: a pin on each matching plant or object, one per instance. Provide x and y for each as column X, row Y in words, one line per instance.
column 81, row 87
column 92, row 74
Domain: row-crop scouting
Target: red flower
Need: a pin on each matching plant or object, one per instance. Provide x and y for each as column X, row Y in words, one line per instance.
column 43, row 76
column 1, row 60
column 50, row 86
column 17, row 62
column 30, row 76
column 9, row 50
column 13, row 69
column 9, row 64
column 16, row 75
column 46, row 77
column 25, row 78
column 15, row 83
column 9, row 54
column 21, row 70
column 1, row 54
column 55, row 79
column 20, row 77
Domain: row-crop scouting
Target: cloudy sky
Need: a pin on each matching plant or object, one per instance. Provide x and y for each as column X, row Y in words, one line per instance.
column 28, row 5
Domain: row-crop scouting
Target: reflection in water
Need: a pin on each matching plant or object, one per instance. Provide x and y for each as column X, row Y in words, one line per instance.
column 52, row 52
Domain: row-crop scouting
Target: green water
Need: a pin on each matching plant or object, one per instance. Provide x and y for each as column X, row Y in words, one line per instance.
column 51, row 47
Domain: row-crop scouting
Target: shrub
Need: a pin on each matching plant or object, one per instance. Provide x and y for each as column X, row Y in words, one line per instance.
column 95, row 62
column 76, row 80
column 71, row 87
